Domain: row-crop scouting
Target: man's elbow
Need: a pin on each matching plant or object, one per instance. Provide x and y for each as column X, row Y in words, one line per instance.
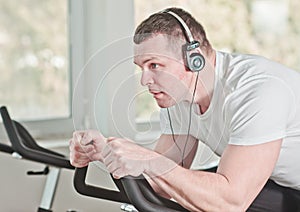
column 226, row 201
column 234, row 203
column 220, row 205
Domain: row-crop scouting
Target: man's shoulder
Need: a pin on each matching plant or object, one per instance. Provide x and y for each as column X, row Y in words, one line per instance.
column 250, row 70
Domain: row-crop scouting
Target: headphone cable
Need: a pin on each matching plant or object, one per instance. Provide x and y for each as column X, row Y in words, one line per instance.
column 189, row 125
column 173, row 136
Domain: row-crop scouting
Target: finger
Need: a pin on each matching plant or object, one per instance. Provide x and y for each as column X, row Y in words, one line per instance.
column 113, row 168
column 86, row 139
column 97, row 156
column 87, row 155
column 83, row 165
column 85, row 149
column 79, row 164
column 106, row 151
column 119, row 174
column 77, row 136
column 77, row 156
column 108, row 160
column 71, row 145
column 75, row 147
column 109, row 139
column 100, row 145
column 116, row 176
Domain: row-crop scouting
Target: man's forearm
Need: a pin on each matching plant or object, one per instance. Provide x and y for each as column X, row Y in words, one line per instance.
column 157, row 189
column 204, row 191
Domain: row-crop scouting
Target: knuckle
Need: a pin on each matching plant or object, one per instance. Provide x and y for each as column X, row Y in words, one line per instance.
column 118, row 152
column 85, row 135
column 77, row 155
column 121, row 160
column 113, row 145
column 75, row 133
column 71, row 148
column 76, row 148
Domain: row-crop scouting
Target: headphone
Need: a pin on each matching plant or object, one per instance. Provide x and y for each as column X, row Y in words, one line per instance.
column 194, row 60
column 195, row 63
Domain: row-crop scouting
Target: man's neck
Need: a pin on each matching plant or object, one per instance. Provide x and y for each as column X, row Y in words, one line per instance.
column 206, row 82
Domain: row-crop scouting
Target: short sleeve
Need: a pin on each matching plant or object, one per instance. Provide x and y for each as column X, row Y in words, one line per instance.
column 259, row 112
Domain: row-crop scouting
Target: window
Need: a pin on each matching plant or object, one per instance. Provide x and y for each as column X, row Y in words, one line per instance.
column 36, row 60
column 75, row 30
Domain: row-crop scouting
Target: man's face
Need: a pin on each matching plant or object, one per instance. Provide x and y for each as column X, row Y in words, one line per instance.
column 163, row 71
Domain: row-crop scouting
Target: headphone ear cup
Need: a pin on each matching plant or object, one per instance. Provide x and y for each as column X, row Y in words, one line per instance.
column 195, row 61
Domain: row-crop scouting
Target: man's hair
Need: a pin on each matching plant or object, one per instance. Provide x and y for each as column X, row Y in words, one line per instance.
column 166, row 24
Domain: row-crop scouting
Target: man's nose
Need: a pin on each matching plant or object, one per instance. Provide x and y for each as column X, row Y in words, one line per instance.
column 146, row 78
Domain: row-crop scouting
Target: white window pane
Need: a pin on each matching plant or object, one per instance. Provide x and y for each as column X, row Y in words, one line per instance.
column 34, row 64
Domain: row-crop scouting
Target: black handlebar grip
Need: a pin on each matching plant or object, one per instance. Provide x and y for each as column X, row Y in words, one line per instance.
column 143, row 203
column 6, row 148
column 93, row 191
column 14, row 131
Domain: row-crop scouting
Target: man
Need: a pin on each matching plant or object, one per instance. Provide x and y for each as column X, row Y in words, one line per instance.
column 244, row 107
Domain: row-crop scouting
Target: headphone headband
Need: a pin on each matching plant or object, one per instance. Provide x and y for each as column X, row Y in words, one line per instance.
column 194, row 60
column 183, row 24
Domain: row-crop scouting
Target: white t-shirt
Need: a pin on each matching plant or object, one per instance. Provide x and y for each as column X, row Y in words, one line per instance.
column 255, row 101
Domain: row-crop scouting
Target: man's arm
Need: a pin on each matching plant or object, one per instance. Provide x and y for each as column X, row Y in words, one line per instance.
column 166, row 147
column 242, row 172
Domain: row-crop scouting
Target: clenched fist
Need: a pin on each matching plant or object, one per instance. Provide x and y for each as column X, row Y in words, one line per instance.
column 86, row 146
column 123, row 157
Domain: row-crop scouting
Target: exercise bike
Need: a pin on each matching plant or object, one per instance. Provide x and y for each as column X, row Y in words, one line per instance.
column 24, row 146
column 135, row 193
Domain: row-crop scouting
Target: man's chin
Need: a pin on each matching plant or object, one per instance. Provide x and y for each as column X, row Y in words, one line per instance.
column 165, row 104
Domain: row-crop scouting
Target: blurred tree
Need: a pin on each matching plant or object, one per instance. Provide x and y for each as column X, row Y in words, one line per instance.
column 34, row 58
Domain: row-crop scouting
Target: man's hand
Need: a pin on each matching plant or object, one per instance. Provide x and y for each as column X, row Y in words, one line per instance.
column 123, row 157
column 86, row 146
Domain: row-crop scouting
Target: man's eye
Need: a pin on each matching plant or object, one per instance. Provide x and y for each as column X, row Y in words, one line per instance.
column 153, row 65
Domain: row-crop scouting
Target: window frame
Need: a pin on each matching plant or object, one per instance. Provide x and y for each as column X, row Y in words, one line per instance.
column 83, row 33
column 62, row 127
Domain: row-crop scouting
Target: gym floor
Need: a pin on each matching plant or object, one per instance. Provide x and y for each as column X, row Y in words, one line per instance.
column 22, row 193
